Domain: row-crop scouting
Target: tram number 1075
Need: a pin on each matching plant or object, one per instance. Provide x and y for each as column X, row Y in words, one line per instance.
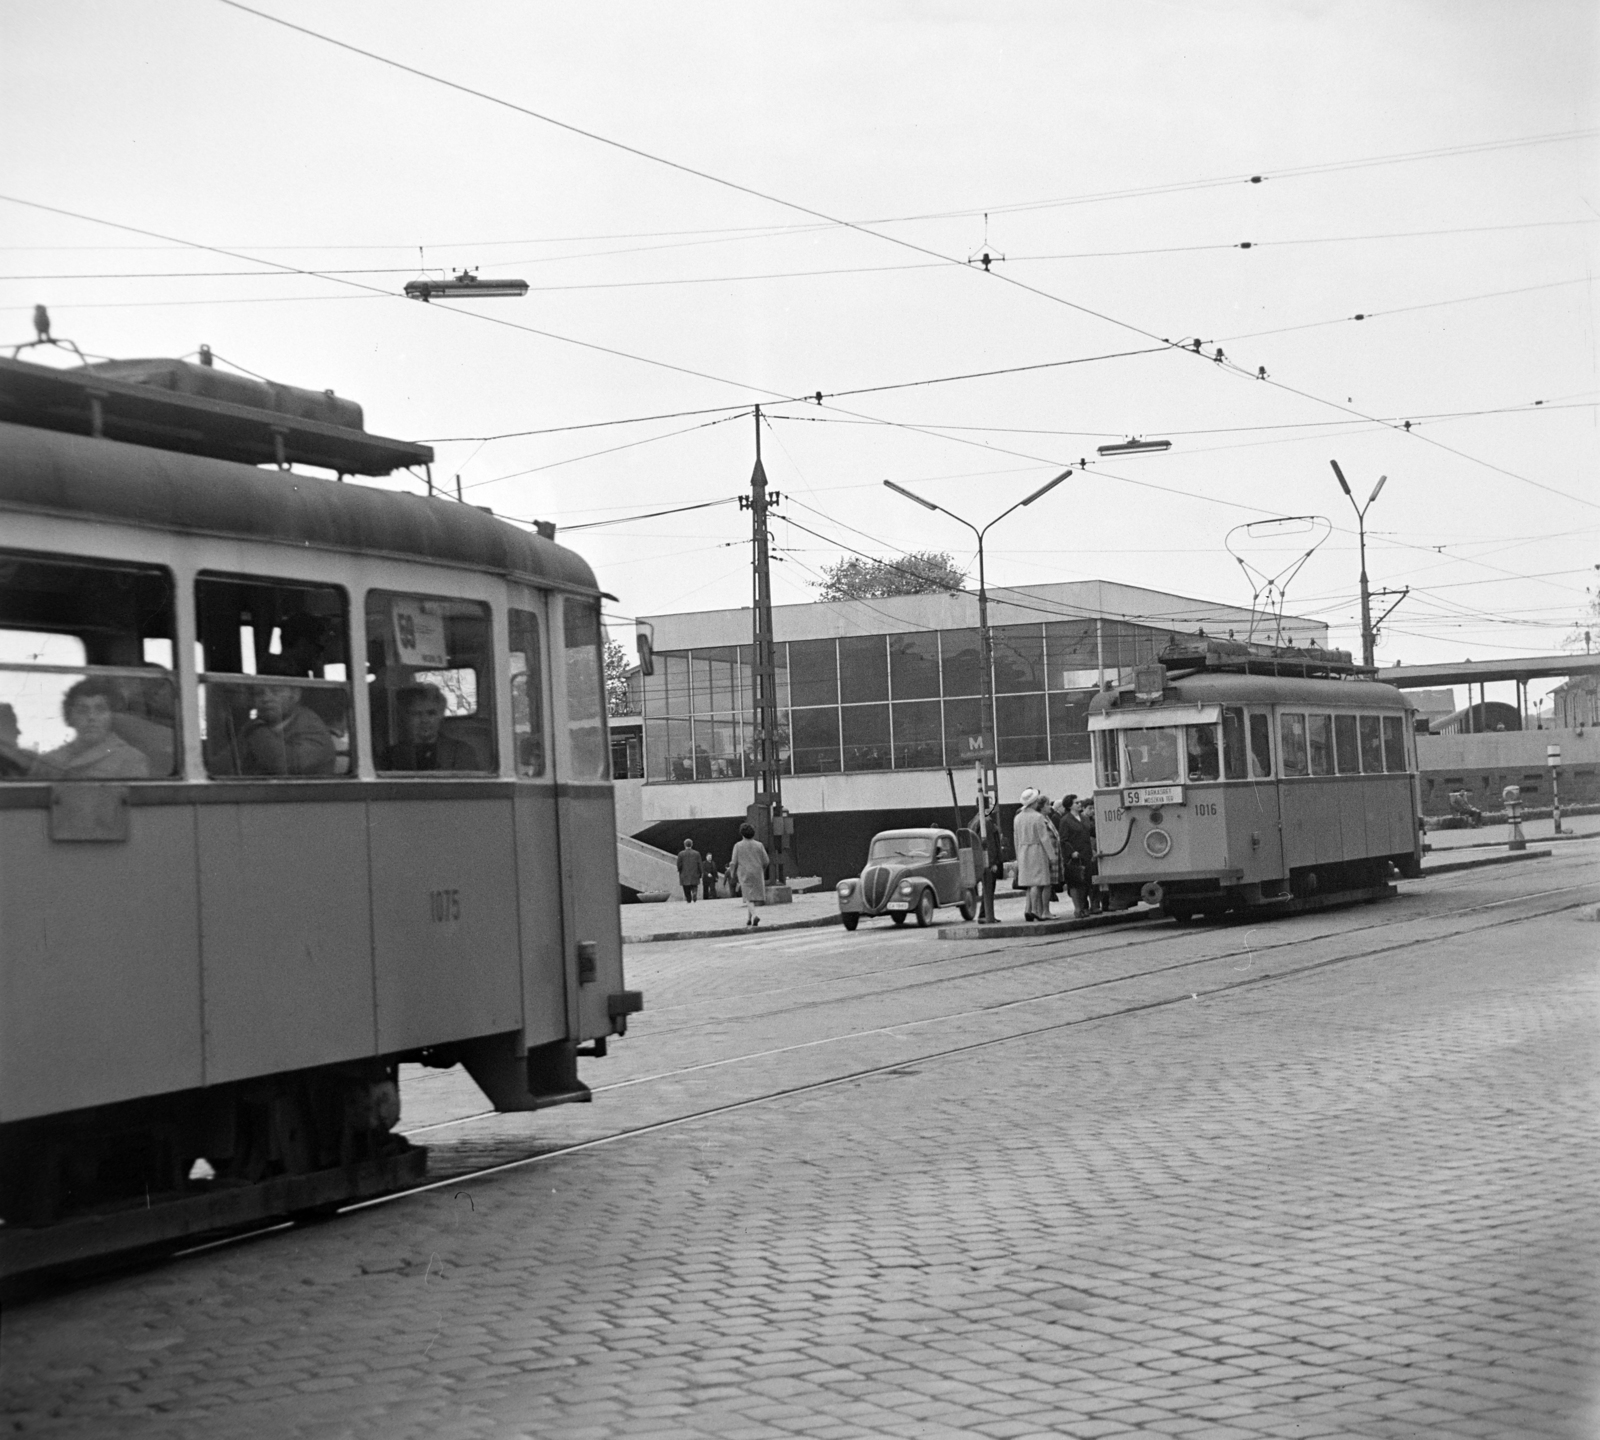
column 444, row 906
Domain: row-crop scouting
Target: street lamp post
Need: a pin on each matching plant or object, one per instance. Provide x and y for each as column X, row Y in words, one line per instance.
column 989, row 757
column 1367, row 640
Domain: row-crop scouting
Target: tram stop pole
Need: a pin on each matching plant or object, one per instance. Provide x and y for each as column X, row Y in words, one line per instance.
column 1552, row 758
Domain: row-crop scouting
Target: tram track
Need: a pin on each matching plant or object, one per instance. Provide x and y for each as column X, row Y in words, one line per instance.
column 1558, row 898
column 1454, row 922
column 1079, row 952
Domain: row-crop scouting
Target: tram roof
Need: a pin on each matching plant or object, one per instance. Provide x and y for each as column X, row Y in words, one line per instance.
column 47, row 472
column 1224, row 688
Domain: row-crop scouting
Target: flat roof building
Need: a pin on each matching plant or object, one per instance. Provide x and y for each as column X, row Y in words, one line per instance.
column 879, row 696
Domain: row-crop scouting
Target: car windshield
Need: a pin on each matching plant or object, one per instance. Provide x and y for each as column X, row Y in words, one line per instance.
column 902, row 847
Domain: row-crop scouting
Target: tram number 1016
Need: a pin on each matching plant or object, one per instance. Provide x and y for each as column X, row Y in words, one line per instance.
column 444, row 906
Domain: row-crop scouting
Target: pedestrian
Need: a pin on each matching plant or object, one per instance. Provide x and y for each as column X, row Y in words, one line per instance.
column 749, row 864
column 1031, row 835
column 987, row 840
column 1075, row 849
column 1099, row 900
column 708, row 877
column 689, row 871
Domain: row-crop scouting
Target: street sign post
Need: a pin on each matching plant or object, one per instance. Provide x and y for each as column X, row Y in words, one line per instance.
column 1552, row 758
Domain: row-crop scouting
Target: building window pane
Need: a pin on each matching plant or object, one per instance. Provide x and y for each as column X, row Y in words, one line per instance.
column 1292, row 736
column 671, row 751
column 747, row 741
column 815, row 740
column 1371, row 729
column 1069, row 726
column 863, row 670
column 865, row 733
column 674, row 664
column 1346, row 754
column 716, row 748
column 918, row 744
column 712, row 676
column 959, row 656
column 963, row 730
column 1021, row 732
column 1394, row 744
column 914, row 665
column 1319, row 743
column 1018, row 652
column 527, row 693
column 813, row 672
column 657, row 749
column 1072, row 656
column 1233, row 761
column 655, row 689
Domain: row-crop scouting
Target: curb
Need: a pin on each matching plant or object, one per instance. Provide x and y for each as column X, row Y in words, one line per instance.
column 1479, row 861
column 1011, row 930
column 813, row 924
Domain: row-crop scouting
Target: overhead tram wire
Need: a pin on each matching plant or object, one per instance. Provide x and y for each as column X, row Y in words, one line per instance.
column 868, row 229
column 389, row 294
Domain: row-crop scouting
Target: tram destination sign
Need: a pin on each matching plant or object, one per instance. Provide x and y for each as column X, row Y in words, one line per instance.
column 1153, row 795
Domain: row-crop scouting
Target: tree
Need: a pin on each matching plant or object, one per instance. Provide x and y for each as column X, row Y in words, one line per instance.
column 919, row 572
column 617, row 679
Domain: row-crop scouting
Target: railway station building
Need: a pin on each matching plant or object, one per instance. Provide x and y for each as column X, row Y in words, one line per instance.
column 879, row 698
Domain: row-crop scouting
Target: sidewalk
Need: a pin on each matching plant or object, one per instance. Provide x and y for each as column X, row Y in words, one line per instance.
column 1535, row 832
column 678, row 921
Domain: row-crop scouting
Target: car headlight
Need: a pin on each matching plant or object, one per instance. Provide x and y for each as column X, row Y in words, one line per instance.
column 906, row 887
column 846, row 886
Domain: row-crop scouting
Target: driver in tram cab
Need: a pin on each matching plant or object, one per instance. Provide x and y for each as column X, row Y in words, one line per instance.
column 1202, row 748
column 425, row 746
column 285, row 738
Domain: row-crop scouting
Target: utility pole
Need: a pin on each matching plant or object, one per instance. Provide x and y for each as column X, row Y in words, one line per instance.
column 773, row 828
column 1368, row 645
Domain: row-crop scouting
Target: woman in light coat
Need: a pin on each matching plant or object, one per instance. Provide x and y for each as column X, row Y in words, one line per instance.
column 1036, row 844
column 748, row 864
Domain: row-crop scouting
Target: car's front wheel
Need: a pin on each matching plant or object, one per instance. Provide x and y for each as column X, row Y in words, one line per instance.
column 850, row 921
column 925, row 909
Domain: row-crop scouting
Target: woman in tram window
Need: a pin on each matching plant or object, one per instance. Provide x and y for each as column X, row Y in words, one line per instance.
column 96, row 751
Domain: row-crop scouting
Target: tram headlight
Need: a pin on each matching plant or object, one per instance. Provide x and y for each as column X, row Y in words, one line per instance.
column 1157, row 844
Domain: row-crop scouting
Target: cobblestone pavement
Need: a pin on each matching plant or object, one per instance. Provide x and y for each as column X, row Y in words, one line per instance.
column 1354, row 1199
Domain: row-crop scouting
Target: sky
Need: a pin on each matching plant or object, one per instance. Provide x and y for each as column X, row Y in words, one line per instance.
column 718, row 205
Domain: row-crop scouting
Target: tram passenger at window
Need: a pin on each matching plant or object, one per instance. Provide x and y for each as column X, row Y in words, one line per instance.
column 284, row 738
column 1202, row 752
column 425, row 746
column 96, row 751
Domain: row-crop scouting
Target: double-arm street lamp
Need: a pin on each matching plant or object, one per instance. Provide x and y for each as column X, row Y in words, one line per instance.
column 1367, row 639
column 986, row 757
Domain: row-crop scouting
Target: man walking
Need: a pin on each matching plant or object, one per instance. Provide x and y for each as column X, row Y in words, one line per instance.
column 689, row 871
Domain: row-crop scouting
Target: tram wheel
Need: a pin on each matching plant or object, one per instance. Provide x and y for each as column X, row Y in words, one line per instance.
column 850, row 921
column 1181, row 914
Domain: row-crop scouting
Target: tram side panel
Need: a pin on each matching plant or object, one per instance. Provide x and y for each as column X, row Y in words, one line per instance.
column 589, row 858
column 99, row 962
column 287, row 936
column 544, row 965
column 1255, row 831
column 444, row 904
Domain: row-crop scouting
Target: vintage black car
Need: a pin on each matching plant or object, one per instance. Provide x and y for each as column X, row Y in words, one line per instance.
column 909, row 872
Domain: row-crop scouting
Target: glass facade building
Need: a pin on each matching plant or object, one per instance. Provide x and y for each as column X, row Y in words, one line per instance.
column 907, row 700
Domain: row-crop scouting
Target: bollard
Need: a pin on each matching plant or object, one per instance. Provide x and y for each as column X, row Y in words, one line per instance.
column 1512, row 798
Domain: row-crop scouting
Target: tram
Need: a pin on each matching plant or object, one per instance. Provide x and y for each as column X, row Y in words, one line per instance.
column 1232, row 776
column 299, row 780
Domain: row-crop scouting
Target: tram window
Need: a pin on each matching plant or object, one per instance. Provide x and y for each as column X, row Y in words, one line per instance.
column 86, row 691
column 1319, row 743
column 1371, row 730
column 1346, row 753
column 1233, row 761
column 429, row 684
column 1105, row 759
column 1200, row 744
column 1152, row 756
column 527, row 692
column 1292, row 736
column 274, row 677
column 586, row 711
column 1394, row 744
column 1260, row 745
